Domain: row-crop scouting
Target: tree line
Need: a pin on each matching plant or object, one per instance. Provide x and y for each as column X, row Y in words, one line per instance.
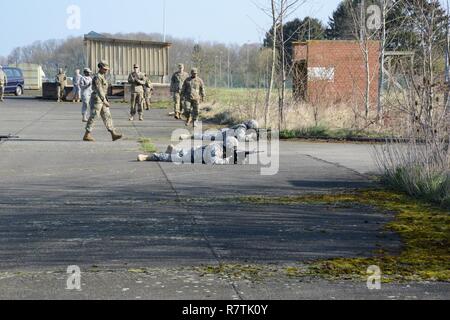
column 249, row 65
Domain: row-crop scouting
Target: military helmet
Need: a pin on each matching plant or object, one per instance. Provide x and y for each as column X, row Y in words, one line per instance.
column 194, row 71
column 252, row 125
column 103, row 65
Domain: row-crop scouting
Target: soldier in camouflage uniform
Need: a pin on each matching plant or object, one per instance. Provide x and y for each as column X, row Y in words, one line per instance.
column 137, row 81
column 176, row 84
column 3, row 83
column 148, row 88
column 100, row 104
column 193, row 92
column 61, row 83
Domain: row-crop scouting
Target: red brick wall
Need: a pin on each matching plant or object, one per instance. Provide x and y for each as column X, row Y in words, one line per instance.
column 347, row 60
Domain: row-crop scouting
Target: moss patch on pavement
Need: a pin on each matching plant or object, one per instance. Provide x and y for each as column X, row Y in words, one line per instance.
column 147, row 145
column 423, row 228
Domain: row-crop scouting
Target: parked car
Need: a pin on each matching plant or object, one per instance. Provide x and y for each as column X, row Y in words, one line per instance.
column 15, row 79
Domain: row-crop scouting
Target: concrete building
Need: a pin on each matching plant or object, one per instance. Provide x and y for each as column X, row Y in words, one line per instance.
column 335, row 71
column 153, row 57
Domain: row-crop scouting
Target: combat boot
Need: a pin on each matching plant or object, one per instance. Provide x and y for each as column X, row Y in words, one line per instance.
column 131, row 118
column 189, row 121
column 115, row 136
column 88, row 137
column 141, row 117
column 177, row 115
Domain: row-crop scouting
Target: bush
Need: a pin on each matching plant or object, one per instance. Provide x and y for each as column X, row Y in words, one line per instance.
column 420, row 170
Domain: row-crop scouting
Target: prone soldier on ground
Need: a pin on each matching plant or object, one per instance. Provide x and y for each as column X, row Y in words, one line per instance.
column 193, row 92
column 176, row 85
column 137, row 81
column 100, row 105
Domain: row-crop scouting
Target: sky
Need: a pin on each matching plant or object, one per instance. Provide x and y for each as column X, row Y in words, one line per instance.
column 227, row 21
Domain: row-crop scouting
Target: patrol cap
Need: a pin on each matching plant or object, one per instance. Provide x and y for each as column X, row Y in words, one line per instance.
column 135, row 66
column 103, row 65
column 194, row 71
column 180, row 65
column 87, row 70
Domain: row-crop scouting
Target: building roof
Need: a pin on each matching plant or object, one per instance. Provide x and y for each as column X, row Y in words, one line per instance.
column 94, row 36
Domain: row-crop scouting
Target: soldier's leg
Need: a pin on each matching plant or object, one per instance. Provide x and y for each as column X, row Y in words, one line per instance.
column 140, row 101
column 107, row 120
column 58, row 93
column 2, row 92
column 176, row 102
column 95, row 113
column 133, row 104
column 63, row 93
column 194, row 112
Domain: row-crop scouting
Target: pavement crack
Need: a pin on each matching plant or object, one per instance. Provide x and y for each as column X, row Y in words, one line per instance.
column 195, row 223
column 336, row 164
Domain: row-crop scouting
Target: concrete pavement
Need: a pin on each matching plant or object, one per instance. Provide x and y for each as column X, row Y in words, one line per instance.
column 65, row 202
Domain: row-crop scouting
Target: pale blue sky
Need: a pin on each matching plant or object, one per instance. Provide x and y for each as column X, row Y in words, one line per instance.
column 229, row 21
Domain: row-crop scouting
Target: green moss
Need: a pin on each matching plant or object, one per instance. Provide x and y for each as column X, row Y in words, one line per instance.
column 423, row 228
column 147, row 145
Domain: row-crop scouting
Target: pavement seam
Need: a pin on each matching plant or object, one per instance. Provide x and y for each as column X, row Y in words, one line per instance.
column 362, row 175
column 194, row 220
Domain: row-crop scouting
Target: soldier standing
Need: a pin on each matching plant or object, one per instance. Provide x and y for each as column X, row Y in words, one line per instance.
column 61, row 83
column 137, row 81
column 193, row 92
column 76, row 86
column 100, row 105
column 176, row 84
column 3, row 83
column 86, row 92
column 148, row 87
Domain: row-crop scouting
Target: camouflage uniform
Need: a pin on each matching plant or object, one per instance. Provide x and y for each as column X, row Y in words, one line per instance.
column 137, row 81
column 194, row 92
column 98, row 108
column 3, row 83
column 61, row 82
column 176, row 85
column 148, row 87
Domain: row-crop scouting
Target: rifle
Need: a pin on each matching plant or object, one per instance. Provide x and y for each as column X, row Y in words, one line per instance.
column 9, row 136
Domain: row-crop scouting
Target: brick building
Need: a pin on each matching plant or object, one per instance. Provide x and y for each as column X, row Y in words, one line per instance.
column 334, row 71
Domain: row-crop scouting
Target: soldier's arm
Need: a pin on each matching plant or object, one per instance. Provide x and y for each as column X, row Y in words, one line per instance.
column 172, row 84
column 184, row 88
column 130, row 79
column 202, row 90
column 99, row 90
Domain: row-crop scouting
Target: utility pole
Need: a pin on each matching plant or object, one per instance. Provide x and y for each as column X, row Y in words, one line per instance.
column 164, row 20
column 229, row 69
column 215, row 71
column 220, row 69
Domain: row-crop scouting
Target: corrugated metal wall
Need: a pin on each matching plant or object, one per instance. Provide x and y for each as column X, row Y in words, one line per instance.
column 153, row 57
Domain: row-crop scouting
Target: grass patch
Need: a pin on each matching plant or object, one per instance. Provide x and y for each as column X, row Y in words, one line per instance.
column 163, row 104
column 147, row 145
column 321, row 132
column 423, row 228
